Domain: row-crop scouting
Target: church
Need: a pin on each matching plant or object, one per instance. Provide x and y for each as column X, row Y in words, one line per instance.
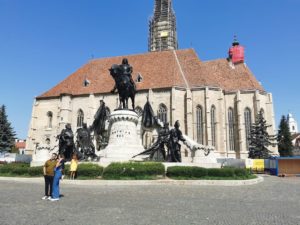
column 215, row 101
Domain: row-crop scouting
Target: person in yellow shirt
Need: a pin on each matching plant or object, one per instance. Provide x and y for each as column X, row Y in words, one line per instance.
column 73, row 166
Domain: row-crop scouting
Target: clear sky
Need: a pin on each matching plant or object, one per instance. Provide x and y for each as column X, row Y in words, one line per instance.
column 44, row 41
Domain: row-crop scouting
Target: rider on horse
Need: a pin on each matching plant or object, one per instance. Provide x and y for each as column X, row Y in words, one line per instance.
column 126, row 69
column 123, row 83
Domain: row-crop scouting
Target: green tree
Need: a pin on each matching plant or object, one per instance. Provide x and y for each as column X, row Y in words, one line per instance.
column 7, row 134
column 259, row 139
column 284, row 138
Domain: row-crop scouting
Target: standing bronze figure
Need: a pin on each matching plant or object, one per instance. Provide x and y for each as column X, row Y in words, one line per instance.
column 98, row 126
column 85, row 143
column 66, row 142
column 174, row 146
column 122, row 74
column 157, row 151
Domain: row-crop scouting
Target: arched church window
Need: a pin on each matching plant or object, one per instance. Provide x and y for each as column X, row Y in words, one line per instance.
column 80, row 118
column 262, row 112
column 213, row 125
column 139, row 111
column 248, row 123
column 199, row 124
column 50, row 118
column 107, row 111
column 231, row 129
column 162, row 113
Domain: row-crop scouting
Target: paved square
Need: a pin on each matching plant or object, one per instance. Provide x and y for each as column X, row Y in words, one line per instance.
column 275, row 201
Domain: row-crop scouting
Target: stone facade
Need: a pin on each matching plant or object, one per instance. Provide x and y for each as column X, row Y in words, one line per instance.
column 181, row 104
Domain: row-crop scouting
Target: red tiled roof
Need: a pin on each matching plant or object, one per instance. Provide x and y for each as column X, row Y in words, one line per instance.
column 159, row 70
column 21, row 144
column 221, row 74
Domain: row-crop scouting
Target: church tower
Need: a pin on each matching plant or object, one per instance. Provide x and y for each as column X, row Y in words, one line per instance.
column 292, row 124
column 162, row 27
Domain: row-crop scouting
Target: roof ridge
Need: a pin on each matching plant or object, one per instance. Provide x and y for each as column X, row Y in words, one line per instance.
column 180, row 69
column 140, row 54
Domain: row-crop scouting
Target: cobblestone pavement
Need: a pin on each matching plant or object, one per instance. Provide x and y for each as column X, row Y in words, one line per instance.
column 274, row 201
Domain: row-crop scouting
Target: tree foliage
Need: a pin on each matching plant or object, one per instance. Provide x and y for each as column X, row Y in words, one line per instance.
column 260, row 140
column 284, row 138
column 7, row 134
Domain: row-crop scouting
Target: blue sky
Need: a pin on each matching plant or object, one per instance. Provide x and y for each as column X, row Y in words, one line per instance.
column 43, row 41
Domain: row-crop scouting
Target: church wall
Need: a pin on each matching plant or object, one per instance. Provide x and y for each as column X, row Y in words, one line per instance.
column 230, row 102
column 268, row 107
column 246, row 101
column 179, row 109
column 213, row 99
column 39, row 129
column 161, row 96
column 198, row 96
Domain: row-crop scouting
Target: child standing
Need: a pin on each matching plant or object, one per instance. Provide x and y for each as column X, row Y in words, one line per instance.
column 73, row 166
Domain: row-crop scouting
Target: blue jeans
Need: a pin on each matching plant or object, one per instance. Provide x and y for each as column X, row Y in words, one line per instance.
column 55, row 187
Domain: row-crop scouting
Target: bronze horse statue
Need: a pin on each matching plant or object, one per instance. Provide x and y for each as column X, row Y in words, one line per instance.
column 124, row 83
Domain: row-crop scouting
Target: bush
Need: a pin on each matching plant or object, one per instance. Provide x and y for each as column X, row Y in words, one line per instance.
column 186, row 171
column 19, row 171
column 88, row 170
column 224, row 172
column 241, row 172
column 67, row 170
column 183, row 172
column 14, row 168
column 134, row 170
column 35, row 171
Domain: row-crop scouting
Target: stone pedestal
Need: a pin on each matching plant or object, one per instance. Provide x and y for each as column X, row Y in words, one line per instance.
column 124, row 141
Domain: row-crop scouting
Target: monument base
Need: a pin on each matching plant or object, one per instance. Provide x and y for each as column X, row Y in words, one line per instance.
column 124, row 141
column 40, row 157
column 209, row 161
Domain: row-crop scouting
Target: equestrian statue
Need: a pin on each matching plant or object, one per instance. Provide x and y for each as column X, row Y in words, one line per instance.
column 124, row 83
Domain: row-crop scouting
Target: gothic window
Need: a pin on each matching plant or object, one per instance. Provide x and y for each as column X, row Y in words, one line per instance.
column 139, row 111
column 80, row 118
column 162, row 113
column 213, row 125
column 50, row 117
column 199, row 124
column 107, row 111
column 248, row 123
column 47, row 141
column 231, row 128
column 262, row 112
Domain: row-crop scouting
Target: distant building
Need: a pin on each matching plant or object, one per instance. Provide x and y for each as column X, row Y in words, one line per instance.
column 296, row 144
column 293, row 125
column 21, row 146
